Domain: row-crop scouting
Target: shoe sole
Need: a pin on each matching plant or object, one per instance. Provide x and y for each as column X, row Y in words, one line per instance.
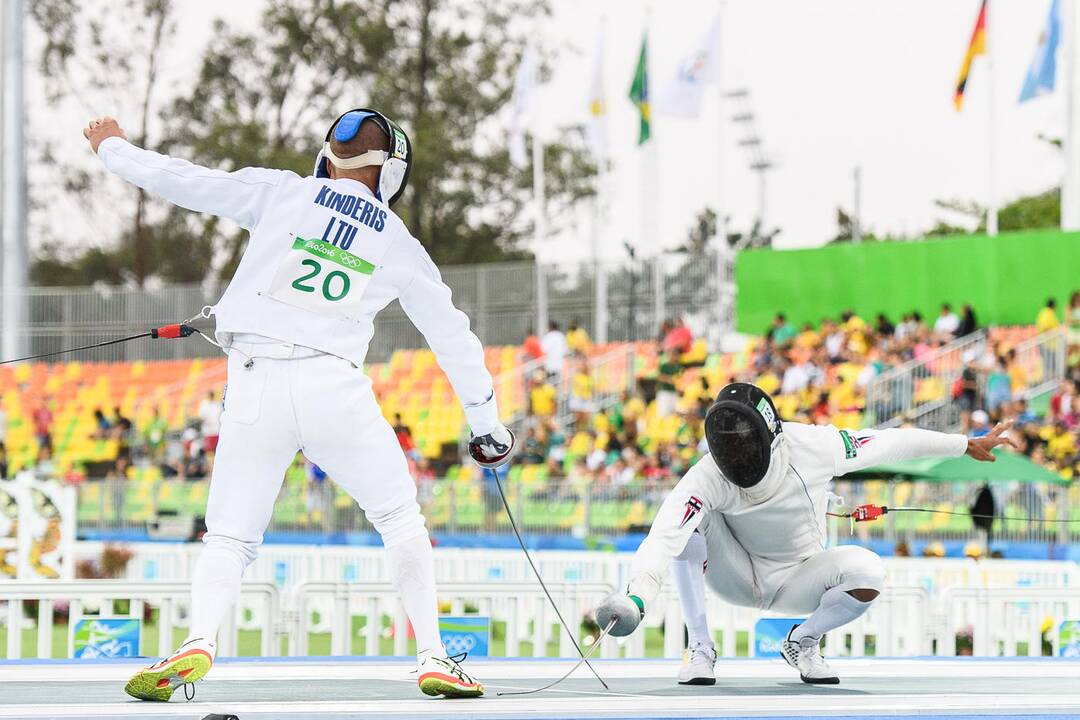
column 436, row 684
column 158, row 684
column 820, row 681
column 698, row 681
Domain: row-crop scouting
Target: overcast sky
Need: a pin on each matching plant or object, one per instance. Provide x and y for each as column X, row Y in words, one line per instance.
column 834, row 84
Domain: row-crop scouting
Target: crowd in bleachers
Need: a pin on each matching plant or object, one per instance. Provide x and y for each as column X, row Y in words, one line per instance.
column 584, row 424
column 817, row 374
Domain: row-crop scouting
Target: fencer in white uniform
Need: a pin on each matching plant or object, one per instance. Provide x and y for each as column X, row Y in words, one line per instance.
column 325, row 255
column 749, row 520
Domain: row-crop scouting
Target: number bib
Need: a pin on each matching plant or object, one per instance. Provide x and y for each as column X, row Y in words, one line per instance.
column 322, row 278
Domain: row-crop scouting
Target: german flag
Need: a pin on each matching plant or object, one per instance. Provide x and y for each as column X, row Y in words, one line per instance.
column 977, row 46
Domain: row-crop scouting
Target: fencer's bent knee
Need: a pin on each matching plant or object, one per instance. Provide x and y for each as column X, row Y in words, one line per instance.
column 243, row 551
column 860, row 569
column 399, row 523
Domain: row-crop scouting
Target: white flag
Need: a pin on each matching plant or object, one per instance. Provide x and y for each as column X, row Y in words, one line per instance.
column 682, row 94
column 596, row 127
column 521, row 102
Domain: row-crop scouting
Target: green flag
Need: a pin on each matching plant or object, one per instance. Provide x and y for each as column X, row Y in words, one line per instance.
column 639, row 92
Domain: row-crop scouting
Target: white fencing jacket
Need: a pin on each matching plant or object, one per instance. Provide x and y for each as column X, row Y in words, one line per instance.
column 323, row 258
column 781, row 521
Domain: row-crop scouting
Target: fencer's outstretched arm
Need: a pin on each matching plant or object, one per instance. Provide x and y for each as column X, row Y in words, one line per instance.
column 861, row 449
column 427, row 301
column 699, row 491
column 240, row 196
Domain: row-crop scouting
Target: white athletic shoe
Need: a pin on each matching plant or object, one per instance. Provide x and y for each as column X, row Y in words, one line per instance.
column 189, row 663
column 698, row 668
column 805, row 657
column 443, row 676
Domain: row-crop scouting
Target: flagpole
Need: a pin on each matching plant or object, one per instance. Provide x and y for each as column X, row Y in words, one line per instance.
column 725, row 257
column 992, row 200
column 600, row 323
column 1070, row 186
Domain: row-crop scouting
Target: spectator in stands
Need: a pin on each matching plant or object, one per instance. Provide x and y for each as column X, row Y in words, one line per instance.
column 1047, row 318
column 531, row 349
column 796, row 379
column 554, row 347
column 947, row 322
column 102, row 423
column 834, row 340
column 781, row 332
column 668, row 372
column 44, row 466
column 154, row 435
column 851, row 321
column 907, row 328
column 883, row 326
column 581, row 394
column 542, row 396
column 1023, row 414
column 577, row 340
column 3, row 462
column 966, row 391
column 679, row 339
column 43, row 420
column 980, row 423
column 405, row 438
column 808, row 339
column 1061, row 402
column 210, row 421
column 197, row 466
column 968, row 324
column 998, row 388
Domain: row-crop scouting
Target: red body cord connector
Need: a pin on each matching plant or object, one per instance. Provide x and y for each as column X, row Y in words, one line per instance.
column 863, row 513
column 171, row 332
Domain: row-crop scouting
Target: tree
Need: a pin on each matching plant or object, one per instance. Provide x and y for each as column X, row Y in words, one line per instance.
column 1029, row 212
column 99, row 58
column 443, row 69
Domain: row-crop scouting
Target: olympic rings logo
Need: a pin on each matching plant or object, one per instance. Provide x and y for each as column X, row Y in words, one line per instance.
column 350, row 260
column 457, row 644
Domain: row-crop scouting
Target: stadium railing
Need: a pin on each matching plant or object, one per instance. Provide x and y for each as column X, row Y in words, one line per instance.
column 355, row 617
column 467, row 509
column 919, row 391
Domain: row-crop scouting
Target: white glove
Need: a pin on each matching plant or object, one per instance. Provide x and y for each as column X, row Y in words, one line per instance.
column 494, row 449
column 625, row 610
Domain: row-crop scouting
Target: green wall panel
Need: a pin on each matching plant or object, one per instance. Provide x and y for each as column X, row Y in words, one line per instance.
column 1007, row 278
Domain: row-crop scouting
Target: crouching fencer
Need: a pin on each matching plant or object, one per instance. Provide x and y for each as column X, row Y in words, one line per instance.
column 749, row 519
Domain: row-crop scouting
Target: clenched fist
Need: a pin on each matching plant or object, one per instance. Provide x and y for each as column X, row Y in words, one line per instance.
column 101, row 128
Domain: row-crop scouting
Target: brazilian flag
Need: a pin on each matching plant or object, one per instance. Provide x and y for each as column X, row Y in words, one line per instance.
column 639, row 92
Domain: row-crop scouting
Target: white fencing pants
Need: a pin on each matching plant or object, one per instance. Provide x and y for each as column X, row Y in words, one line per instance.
column 796, row 587
column 280, row 399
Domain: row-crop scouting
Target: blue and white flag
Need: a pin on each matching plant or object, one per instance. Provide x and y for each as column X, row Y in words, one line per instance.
column 681, row 95
column 1040, row 75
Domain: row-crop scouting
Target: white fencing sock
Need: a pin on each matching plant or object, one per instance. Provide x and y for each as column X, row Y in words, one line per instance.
column 215, row 584
column 688, row 571
column 411, row 565
column 836, row 609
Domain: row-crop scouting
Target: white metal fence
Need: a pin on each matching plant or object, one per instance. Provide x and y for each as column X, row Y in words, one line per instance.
column 295, row 593
column 906, row 621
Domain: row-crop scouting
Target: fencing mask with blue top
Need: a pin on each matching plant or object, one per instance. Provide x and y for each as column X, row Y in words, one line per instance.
column 395, row 163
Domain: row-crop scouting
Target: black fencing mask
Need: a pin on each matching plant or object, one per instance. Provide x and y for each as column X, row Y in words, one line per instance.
column 741, row 429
